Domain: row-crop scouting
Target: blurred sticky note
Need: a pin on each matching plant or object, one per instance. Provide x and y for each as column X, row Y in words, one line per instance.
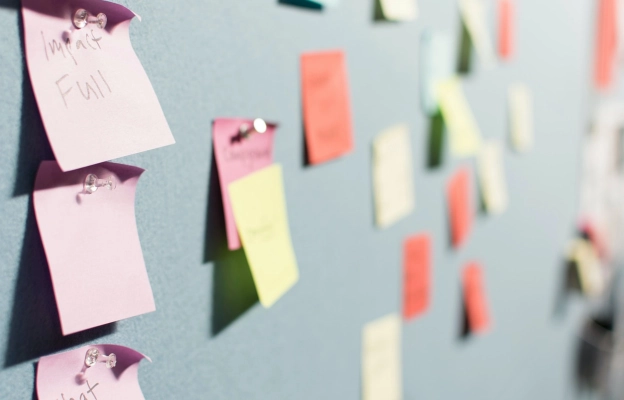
column 521, row 117
column 492, row 177
column 475, row 299
column 505, row 28
column 474, row 16
column 465, row 136
column 416, row 275
column 437, row 63
column 95, row 99
column 585, row 257
column 399, row 10
column 381, row 359
column 606, row 43
column 461, row 212
column 393, row 179
column 92, row 245
column 64, row 376
column 259, row 207
column 237, row 157
column 326, row 109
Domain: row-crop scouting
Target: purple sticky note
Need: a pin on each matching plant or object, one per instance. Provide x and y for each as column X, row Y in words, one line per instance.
column 95, row 99
column 64, row 376
column 92, row 245
column 238, row 156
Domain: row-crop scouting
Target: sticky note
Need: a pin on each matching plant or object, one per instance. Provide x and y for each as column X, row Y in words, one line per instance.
column 475, row 299
column 381, row 359
column 461, row 211
column 326, row 109
column 464, row 133
column 416, row 275
column 585, row 257
column 95, row 99
column 259, row 207
column 64, row 376
column 237, row 157
column 505, row 28
column 606, row 43
column 92, row 245
column 393, row 179
column 492, row 177
column 399, row 10
column 437, row 63
column 473, row 14
column 521, row 117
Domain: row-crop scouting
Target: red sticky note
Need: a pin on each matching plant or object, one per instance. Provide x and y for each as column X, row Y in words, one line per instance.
column 475, row 301
column 505, row 28
column 606, row 43
column 416, row 275
column 460, row 205
column 326, row 110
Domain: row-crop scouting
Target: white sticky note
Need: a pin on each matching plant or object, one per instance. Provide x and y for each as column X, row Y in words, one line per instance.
column 521, row 117
column 437, row 64
column 474, row 16
column 381, row 359
column 393, row 180
column 492, row 177
column 584, row 255
column 399, row 10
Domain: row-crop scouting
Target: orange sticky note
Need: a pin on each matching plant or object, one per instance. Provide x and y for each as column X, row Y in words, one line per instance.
column 416, row 275
column 505, row 28
column 460, row 205
column 606, row 43
column 475, row 302
column 326, row 109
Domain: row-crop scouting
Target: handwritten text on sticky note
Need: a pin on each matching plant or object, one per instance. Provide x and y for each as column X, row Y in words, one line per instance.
column 95, row 99
column 326, row 109
column 381, row 359
column 64, row 376
column 393, row 178
column 236, row 157
column 259, row 207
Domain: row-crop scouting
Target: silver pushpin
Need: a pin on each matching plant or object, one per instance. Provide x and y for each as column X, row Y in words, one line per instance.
column 81, row 19
column 257, row 126
column 94, row 356
column 92, row 183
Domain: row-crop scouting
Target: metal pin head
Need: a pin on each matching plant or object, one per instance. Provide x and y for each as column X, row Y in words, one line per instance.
column 258, row 125
column 91, row 357
column 81, row 19
column 111, row 362
column 92, row 183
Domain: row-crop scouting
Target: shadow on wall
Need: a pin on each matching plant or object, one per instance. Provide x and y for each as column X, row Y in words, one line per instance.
column 35, row 329
column 302, row 3
column 234, row 291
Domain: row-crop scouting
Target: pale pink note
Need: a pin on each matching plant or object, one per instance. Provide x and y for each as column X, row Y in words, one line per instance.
column 64, row 376
column 95, row 99
column 92, row 245
column 237, row 157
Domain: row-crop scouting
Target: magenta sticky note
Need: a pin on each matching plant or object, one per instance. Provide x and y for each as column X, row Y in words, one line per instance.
column 95, row 99
column 92, row 245
column 237, row 156
column 64, row 376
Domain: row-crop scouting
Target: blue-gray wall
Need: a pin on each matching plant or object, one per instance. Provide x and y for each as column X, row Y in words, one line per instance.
column 210, row 338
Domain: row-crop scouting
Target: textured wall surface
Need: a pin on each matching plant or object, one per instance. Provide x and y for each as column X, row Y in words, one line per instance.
column 210, row 338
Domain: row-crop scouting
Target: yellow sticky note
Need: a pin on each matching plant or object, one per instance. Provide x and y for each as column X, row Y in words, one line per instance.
column 474, row 16
column 585, row 257
column 492, row 177
column 399, row 10
column 393, row 180
column 259, row 209
column 381, row 359
column 464, row 133
column 521, row 116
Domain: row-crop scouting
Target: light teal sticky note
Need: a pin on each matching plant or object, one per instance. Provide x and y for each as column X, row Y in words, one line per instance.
column 436, row 54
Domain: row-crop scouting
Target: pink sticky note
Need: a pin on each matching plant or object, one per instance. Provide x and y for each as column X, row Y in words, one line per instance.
column 92, row 245
column 237, row 157
column 64, row 376
column 95, row 99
